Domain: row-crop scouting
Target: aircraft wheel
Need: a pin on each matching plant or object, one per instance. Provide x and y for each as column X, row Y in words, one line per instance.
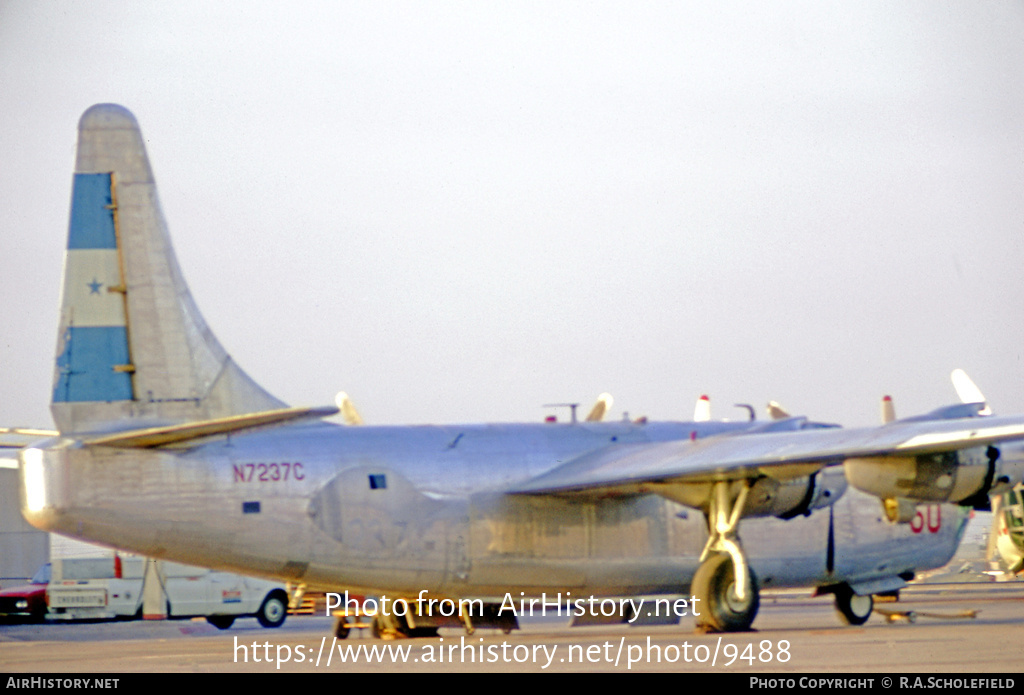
column 273, row 611
column 423, row 632
column 221, row 622
column 714, row 585
column 414, row 632
column 341, row 628
column 855, row 609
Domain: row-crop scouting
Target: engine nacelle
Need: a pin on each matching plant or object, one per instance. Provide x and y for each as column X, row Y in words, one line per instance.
column 768, row 496
column 798, row 497
column 965, row 477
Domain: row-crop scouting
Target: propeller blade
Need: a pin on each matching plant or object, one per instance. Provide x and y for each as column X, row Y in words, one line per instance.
column 888, row 410
column 702, row 411
column 348, row 409
column 601, row 408
column 968, row 391
column 776, row 411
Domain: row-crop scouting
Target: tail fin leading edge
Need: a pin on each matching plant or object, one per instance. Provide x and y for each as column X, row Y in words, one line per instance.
column 133, row 349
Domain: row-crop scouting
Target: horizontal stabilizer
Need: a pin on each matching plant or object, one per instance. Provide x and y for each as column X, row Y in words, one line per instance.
column 176, row 434
column 19, row 437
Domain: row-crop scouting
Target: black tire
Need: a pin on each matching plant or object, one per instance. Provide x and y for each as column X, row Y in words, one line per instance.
column 221, row 622
column 854, row 609
column 341, row 628
column 720, row 611
column 39, row 614
column 404, row 630
column 273, row 611
column 399, row 627
column 420, row 632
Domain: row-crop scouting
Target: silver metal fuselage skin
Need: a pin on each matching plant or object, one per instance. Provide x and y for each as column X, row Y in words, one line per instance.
column 442, row 509
column 406, row 509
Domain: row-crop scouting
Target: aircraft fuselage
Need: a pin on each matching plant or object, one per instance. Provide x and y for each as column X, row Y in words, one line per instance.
column 406, row 509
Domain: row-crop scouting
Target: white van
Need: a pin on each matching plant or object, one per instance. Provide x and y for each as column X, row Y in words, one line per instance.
column 112, row 588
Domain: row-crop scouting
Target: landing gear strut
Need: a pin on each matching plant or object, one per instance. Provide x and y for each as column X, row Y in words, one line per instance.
column 724, row 582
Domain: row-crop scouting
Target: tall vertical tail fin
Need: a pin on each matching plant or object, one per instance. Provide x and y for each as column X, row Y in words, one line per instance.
column 132, row 349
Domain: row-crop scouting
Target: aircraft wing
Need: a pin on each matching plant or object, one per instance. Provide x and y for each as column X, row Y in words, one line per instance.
column 621, row 469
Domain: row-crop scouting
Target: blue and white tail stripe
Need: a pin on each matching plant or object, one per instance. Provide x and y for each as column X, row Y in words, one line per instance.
column 132, row 345
column 93, row 362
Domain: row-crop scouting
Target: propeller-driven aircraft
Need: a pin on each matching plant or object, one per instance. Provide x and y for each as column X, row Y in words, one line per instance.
column 168, row 449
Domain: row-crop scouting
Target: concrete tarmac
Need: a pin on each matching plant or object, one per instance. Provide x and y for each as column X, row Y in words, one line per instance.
column 952, row 629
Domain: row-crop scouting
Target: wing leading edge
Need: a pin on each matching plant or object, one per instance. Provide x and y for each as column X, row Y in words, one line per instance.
column 784, row 456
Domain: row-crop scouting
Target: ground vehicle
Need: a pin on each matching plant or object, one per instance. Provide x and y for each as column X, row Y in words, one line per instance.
column 136, row 587
column 28, row 600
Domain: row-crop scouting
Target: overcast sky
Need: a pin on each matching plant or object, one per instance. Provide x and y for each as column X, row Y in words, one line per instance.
column 462, row 211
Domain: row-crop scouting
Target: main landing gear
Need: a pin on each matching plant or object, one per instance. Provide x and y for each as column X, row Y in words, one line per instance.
column 413, row 623
column 854, row 609
column 724, row 583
